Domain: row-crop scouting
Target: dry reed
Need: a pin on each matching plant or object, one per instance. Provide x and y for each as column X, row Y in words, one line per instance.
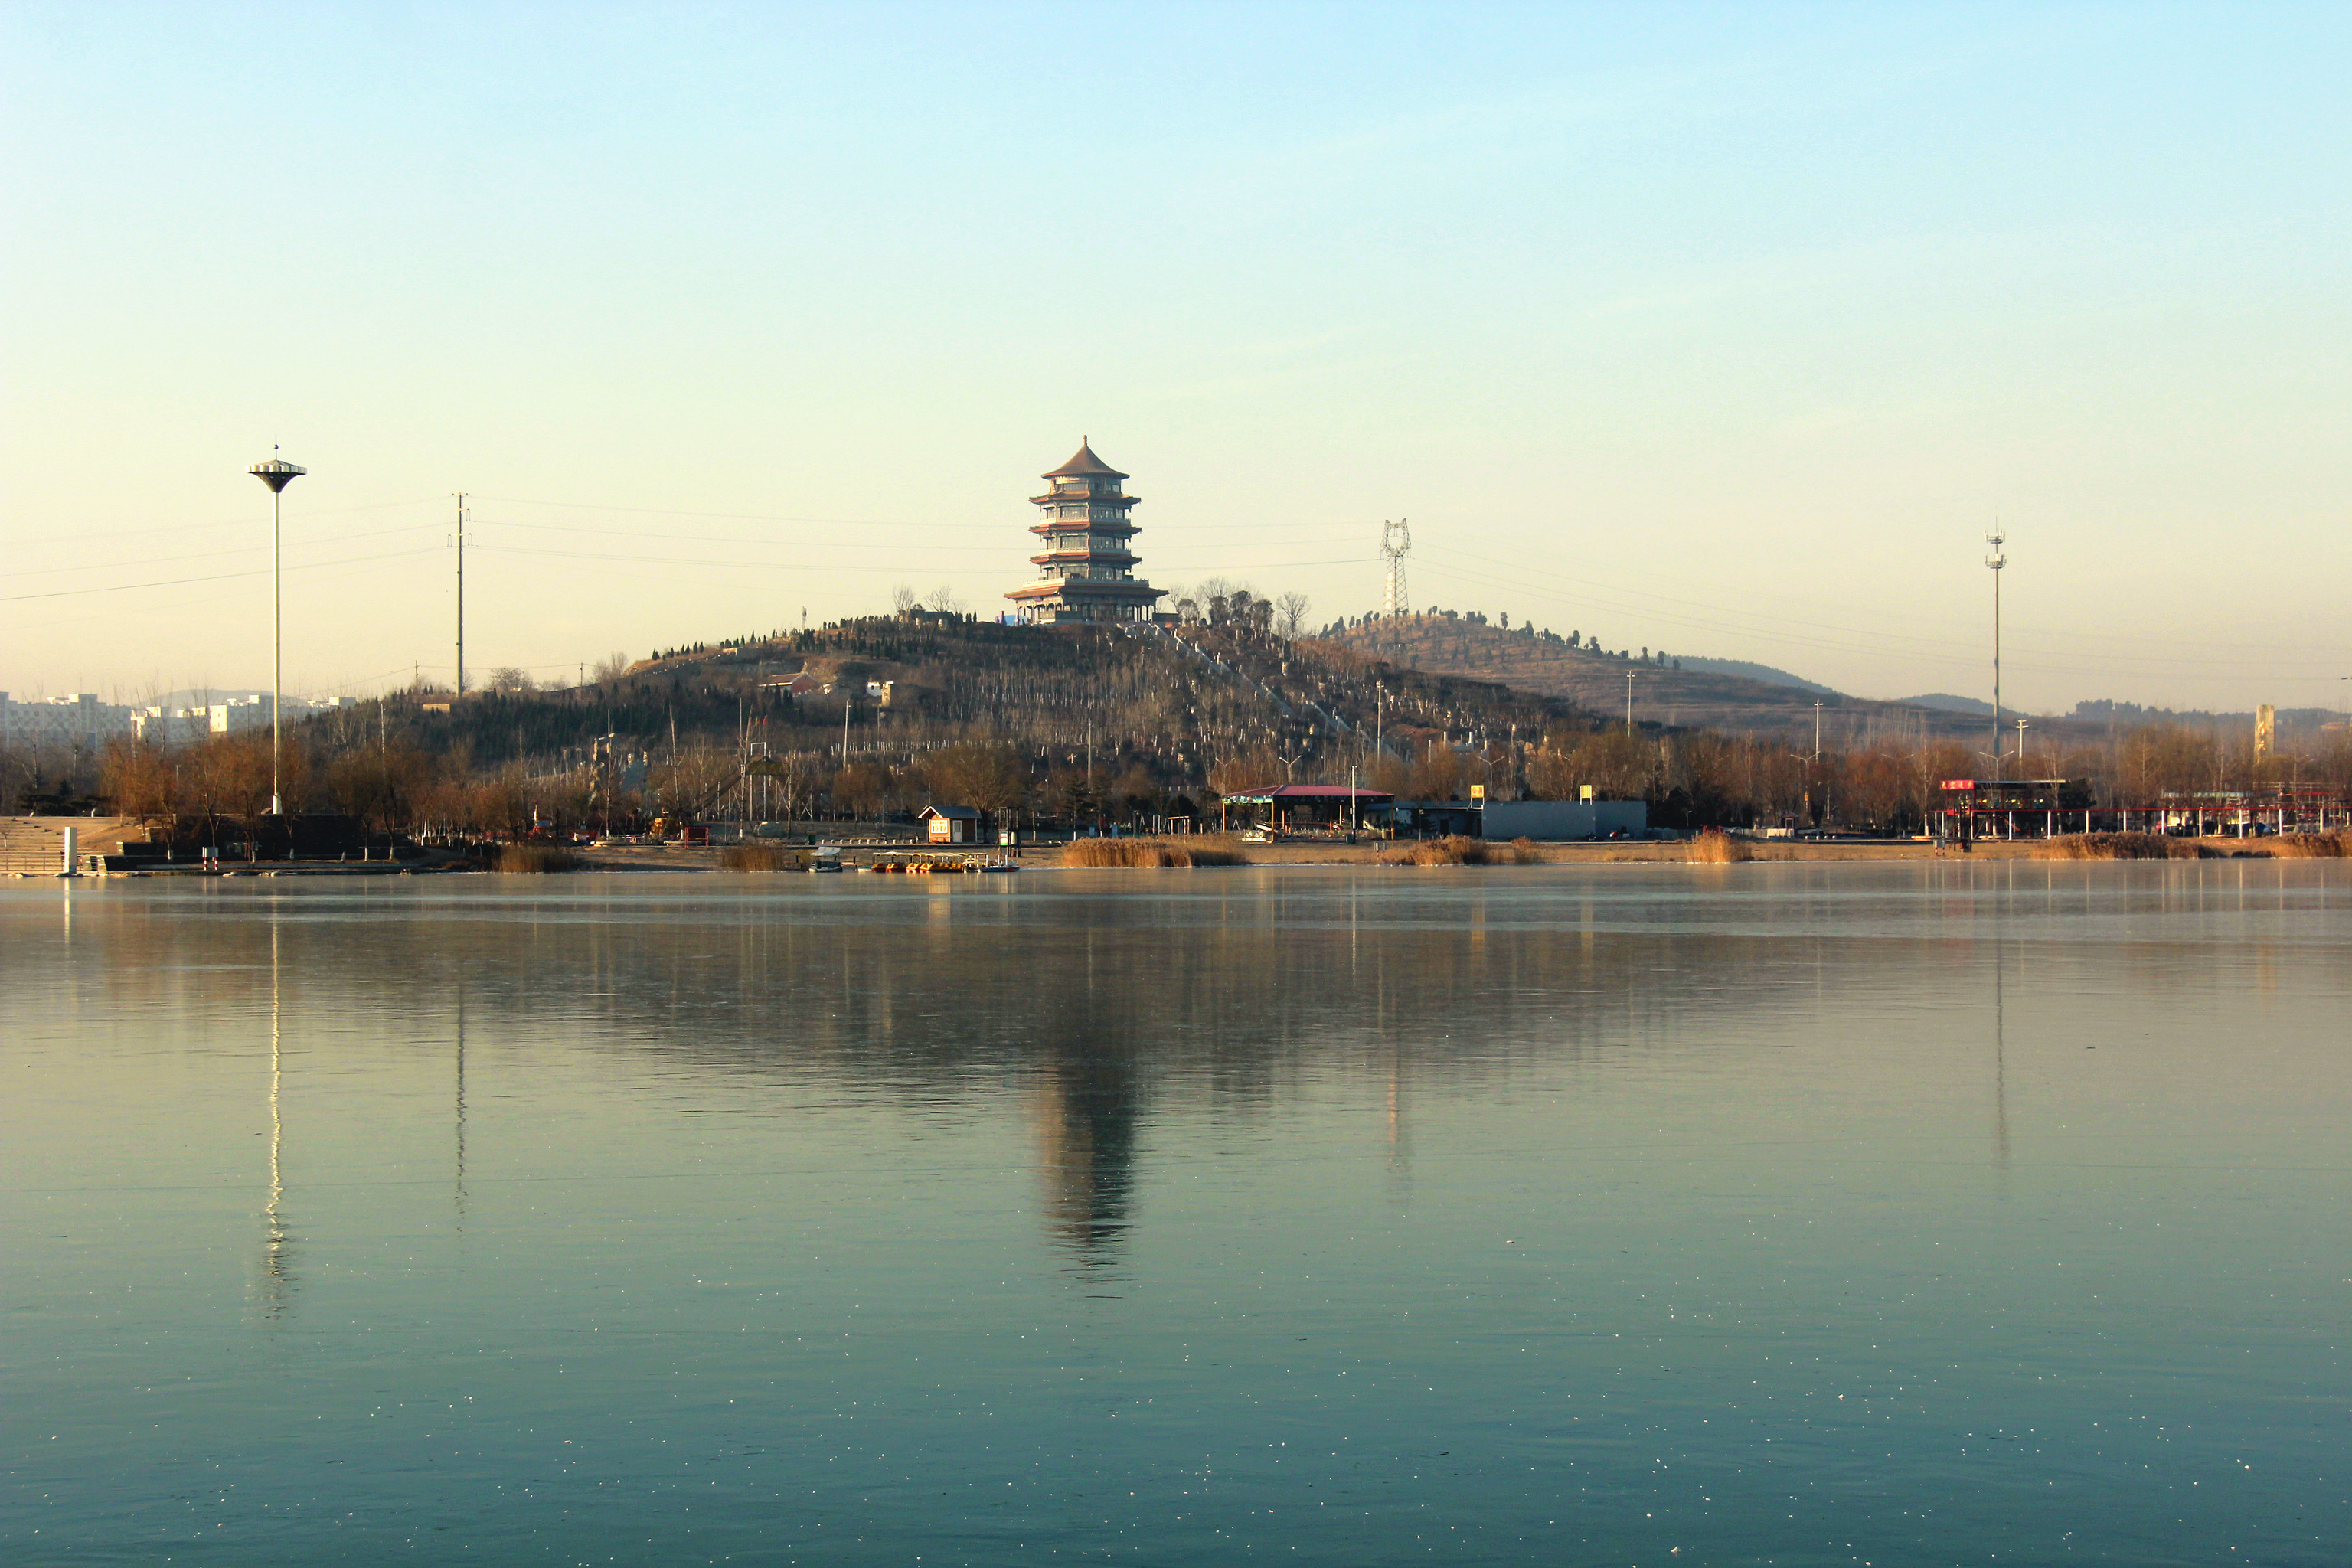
column 534, row 859
column 1714, row 846
column 2112, row 846
column 2311, row 846
column 755, row 857
column 1458, row 850
column 1154, row 852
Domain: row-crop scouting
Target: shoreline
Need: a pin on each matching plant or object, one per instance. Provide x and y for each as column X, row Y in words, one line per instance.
column 675, row 859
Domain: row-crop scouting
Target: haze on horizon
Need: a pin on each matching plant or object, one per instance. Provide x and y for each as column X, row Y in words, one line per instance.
column 1725, row 329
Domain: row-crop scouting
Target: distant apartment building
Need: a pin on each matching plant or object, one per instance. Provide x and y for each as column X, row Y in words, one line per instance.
column 81, row 721
column 237, row 716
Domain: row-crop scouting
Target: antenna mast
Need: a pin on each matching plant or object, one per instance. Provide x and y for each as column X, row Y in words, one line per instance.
column 461, row 593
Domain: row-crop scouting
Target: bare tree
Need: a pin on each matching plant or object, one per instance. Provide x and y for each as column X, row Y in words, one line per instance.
column 902, row 599
column 1290, row 614
column 947, row 600
column 511, row 679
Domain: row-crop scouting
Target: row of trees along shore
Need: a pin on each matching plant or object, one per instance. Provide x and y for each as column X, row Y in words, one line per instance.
column 1064, row 726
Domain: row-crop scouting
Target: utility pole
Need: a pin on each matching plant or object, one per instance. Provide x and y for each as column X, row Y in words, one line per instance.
column 1996, row 560
column 277, row 474
column 1629, row 699
column 461, row 594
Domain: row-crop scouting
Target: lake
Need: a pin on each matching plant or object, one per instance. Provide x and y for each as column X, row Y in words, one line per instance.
column 1918, row 1213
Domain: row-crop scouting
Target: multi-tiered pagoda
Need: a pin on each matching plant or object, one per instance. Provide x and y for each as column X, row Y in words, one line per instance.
column 1087, row 572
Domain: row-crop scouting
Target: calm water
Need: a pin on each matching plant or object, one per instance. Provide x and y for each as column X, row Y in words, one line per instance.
column 1773, row 1213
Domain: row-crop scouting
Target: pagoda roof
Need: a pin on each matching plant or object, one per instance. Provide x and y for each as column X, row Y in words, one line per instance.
column 1083, row 462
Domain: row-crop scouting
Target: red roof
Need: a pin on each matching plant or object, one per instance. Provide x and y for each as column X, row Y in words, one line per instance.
column 1084, row 462
column 1310, row 792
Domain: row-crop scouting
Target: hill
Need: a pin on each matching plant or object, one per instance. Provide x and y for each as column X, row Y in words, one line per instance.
column 1689, row 693
column 1763, row 672
column 1945, row 702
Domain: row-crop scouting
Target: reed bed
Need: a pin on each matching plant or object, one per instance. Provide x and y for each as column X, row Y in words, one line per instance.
column 2310, row 846
column 534, row 858
column 753, row 857
column 1714, row 846
column 1458, row 850
column 2113, row 846
column 1152, row 853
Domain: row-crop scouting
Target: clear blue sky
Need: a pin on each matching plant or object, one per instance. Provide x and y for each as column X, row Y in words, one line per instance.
column 1725, row 329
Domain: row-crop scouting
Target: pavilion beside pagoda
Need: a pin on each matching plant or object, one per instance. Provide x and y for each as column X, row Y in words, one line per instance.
column 1087, row 570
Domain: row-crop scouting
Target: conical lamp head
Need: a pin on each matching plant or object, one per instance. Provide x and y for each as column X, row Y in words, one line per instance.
column 277, row 474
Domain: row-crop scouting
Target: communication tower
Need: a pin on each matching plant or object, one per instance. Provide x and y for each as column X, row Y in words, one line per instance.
column 1396, row 542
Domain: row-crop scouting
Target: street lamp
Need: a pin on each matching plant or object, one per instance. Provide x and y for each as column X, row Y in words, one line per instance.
column 1811, row 759
column 1995, row 558
column 277, row 474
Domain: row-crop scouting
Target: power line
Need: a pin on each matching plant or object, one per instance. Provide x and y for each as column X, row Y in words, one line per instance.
column 214, row 578
column 207, row 554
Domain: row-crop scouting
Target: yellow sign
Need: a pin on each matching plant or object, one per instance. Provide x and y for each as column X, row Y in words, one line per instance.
column 1477, row 791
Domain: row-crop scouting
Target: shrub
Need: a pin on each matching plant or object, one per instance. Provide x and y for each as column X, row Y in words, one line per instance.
column 753, row 857
column 1154, row 852
column 534, row 857
column 1714, row 846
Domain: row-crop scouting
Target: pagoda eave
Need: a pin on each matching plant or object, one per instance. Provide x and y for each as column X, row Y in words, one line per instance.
column 1078, row 588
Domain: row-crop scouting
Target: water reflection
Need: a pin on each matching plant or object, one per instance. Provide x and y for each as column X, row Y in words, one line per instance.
column 802, row 1221
column 1103, row 1014
column 1999, row 1058
column 1087, row 1108
column 275, row 1283
column 458, row 1197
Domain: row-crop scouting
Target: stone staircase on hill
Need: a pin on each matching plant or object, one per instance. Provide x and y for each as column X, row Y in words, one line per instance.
column 30, row 846
column 34, row 846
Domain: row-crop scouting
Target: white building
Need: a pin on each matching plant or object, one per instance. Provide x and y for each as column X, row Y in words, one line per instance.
column 237, row 716
column 83, row 722
column 78, row 720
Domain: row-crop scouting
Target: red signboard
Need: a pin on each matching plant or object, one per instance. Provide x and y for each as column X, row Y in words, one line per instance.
column 1959, row 783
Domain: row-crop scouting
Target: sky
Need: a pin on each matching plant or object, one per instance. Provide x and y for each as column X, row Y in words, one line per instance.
column 1730, row 331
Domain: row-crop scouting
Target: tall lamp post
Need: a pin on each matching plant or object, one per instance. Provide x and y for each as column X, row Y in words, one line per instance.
column 277, row 474
column 1996, row 559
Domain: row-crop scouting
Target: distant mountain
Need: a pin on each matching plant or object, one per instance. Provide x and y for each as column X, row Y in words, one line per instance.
column 1677, row 690
column 1759, row 672
column 1944, row 701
